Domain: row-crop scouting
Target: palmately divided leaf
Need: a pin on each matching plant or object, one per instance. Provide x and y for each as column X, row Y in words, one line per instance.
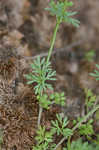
column 41, row 73
column 67, row 132
column 59, row 9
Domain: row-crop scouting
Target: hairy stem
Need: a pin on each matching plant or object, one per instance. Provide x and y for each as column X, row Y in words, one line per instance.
column 53, row 41
column 40, row 114
column 78, row 124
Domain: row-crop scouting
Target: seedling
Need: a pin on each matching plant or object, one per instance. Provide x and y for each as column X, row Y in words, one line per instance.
column 41, row 68
column 42, row 72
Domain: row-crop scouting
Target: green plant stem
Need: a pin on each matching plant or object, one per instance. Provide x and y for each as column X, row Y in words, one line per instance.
column 53, row 40
column 40, row 114
column 85, row 117
column 48, row 58
column 78, row 124
column 68, row 143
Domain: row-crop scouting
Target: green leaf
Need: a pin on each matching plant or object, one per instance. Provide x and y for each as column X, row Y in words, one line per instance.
column 86, row 129
column 58, row 98
column 69, row 14
column 96, row 73
column 90, row 99
column 89, row 56
column 59, row 126
column 69, row 4
column 41, row 73
column 67, row 132
column 79, row 145
column 59, row 9
column 97, row 66
column 30, row 82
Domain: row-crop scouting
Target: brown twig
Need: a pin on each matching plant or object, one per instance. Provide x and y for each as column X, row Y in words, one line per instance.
column 56, row 50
